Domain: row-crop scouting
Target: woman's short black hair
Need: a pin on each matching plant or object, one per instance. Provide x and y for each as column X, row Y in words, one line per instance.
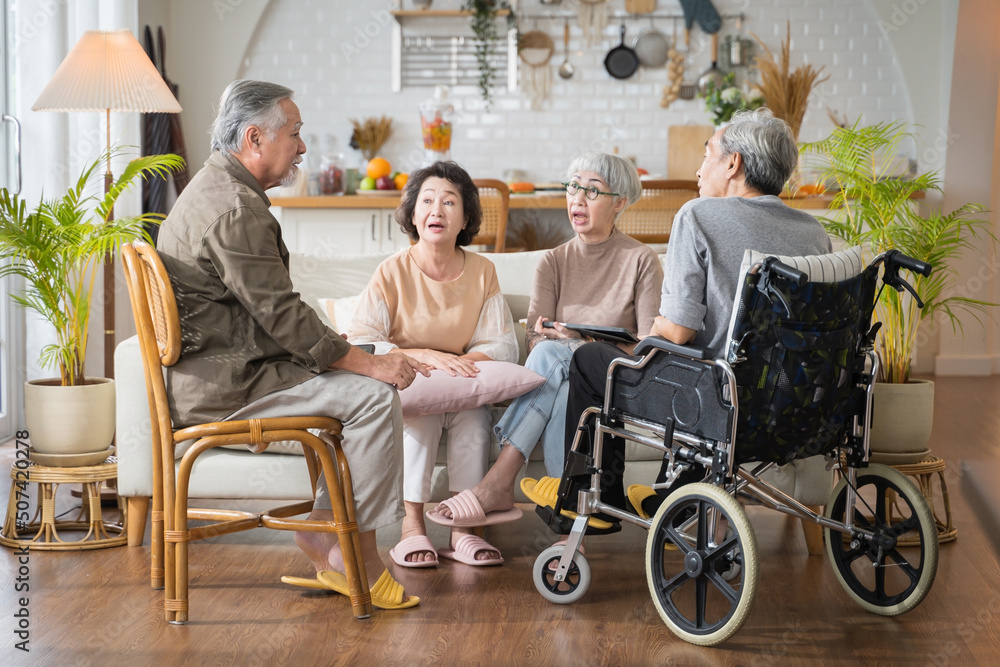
column 451, row 172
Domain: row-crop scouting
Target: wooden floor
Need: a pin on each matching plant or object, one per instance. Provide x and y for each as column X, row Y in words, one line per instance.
column 96, row 608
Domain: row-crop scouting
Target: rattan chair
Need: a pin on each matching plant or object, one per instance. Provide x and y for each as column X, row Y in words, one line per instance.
column 494, row 196
column 649, row 219
column 155, row 312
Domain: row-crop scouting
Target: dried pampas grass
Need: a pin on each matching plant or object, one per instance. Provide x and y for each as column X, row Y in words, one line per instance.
column 786, row 92
column 370, row 134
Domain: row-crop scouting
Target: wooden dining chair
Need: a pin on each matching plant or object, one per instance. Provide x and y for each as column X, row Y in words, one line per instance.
column 649, row 219
column 494, row 197
column 155, row 311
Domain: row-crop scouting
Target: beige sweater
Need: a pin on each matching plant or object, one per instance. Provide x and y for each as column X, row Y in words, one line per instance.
column 614, row 283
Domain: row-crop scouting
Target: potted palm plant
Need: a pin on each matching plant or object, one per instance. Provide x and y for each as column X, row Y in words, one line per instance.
column 55, row 248
column 876, row 208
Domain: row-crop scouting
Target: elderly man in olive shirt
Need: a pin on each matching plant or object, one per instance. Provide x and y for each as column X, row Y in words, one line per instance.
column 251, row 347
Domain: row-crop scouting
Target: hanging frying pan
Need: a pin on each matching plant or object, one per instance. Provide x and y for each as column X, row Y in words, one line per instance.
column 621, row 61
column 651, row 46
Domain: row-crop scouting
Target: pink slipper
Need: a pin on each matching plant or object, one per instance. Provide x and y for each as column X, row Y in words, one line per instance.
column 467, row 512
column 411, row 545
column 467, row 548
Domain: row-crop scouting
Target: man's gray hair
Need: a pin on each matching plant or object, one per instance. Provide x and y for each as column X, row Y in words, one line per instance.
column 767, row 147
column 245, row 103
column 620, row 174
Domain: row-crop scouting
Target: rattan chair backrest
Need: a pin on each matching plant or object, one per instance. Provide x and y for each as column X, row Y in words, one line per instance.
column 649, row 219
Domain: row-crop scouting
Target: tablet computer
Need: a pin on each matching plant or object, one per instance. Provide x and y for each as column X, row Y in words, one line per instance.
column 613, row 334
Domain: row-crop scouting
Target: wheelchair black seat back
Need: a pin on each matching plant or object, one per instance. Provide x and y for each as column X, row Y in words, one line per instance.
column 795, row 382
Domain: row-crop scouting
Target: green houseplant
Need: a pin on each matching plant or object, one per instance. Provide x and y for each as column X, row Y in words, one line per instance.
column 721, row 102
column 877, row 211
column 55, row 248
column 875, row 208
column 483, row 18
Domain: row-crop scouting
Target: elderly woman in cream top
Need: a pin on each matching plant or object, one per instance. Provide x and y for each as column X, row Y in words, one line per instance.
column 601, row 277
column 441, row 305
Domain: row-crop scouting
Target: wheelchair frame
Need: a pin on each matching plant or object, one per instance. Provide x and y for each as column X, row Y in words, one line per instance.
column 719, row 458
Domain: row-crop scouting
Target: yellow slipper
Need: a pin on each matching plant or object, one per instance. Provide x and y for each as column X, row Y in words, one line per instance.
column 387, row 593
column 638, row 493
column 545, row 492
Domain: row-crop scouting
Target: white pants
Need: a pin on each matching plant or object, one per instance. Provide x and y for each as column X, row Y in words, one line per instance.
column 468, row 451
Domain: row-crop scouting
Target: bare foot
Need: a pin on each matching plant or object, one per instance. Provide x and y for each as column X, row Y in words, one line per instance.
column 486, row 554
column 323, row 549
column 413, row 524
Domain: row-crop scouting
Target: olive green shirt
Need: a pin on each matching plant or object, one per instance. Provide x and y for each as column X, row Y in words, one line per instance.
column 245, row 332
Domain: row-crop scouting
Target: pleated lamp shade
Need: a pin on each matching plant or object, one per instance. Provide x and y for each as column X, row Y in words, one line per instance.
column 107, row 70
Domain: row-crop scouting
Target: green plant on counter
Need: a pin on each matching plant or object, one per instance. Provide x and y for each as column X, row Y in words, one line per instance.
column 484, row 25
column 57, row 247
column 877, row 211
column 723, row 101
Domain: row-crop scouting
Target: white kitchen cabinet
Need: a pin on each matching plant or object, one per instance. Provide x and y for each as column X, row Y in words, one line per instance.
column 340, row 231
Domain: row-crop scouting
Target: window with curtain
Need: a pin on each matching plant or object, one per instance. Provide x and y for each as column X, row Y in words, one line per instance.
column 9, row 349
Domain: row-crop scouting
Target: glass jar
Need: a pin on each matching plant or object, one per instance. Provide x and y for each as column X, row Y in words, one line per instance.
column 436, row 116
column 331, row 174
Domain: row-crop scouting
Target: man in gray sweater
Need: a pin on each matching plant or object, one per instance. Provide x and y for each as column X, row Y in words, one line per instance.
column 745, row 168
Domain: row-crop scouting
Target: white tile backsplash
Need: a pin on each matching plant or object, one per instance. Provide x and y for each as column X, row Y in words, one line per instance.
column 336, row 55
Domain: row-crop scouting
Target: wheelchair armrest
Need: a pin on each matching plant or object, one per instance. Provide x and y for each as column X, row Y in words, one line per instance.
column 650, row 343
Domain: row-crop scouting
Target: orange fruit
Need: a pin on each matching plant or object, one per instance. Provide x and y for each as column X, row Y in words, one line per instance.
column 379, row 167
column 400, row 181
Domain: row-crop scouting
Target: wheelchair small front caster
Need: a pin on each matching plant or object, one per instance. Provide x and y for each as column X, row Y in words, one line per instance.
column 572, row 588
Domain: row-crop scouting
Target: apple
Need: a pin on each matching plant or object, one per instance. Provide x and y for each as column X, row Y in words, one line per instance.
column 384, row 183
column 367, row 183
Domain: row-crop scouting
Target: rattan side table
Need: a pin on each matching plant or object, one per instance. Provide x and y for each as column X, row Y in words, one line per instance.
column 923, row 473
column 42, row 531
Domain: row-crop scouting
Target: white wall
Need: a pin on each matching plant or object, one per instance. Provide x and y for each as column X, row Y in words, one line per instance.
column 972, row 175
column 339, row 63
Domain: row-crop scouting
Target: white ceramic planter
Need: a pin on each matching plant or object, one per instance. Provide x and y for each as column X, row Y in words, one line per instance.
column 70, row 420
column 904, row 415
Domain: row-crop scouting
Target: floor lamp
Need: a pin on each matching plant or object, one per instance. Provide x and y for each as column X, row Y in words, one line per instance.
column 107, row 71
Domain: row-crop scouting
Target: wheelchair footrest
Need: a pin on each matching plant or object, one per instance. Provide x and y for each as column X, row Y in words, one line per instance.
column 563, row 525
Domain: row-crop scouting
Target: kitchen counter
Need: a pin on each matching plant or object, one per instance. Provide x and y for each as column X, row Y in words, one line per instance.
column 538, row 200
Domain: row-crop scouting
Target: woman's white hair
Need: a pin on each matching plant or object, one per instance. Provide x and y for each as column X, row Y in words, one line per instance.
column 245, row 103
column 620, row 174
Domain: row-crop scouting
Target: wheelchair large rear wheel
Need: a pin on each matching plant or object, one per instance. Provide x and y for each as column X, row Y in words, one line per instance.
column 699, row 538
column 894, row 578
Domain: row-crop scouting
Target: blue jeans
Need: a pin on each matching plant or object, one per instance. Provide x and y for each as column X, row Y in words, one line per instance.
column 541, row 413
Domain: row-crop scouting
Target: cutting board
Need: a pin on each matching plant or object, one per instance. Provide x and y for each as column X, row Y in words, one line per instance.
column 686, row 149
column 640, row 6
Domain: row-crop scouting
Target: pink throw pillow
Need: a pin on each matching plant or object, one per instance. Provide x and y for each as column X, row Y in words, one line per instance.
column 496, row 381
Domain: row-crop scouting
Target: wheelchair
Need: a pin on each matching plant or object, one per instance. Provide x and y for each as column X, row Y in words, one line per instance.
column 796, row 382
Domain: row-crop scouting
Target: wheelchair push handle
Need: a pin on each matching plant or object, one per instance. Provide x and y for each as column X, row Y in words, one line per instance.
column 897, row 259
column 789, row 273
column 894, row 261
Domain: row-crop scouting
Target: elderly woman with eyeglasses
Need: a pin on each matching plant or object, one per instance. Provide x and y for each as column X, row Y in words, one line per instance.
column 601, row 277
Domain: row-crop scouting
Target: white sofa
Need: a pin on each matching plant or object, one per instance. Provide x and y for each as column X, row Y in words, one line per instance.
column 230, row 473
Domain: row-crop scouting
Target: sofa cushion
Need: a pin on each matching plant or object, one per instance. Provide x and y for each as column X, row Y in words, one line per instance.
column 441, row 392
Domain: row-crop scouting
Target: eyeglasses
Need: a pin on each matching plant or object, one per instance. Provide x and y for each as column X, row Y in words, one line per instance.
column 590, row 193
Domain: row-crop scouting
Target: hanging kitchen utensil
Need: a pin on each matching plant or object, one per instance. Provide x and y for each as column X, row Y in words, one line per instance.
column 651, row 46
column 713, row 74
column 621, row 61
column 704, row 12
column 688, row 89
column 535, row 49
column 566, row 69
column 593, row 18
column 738, row 47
